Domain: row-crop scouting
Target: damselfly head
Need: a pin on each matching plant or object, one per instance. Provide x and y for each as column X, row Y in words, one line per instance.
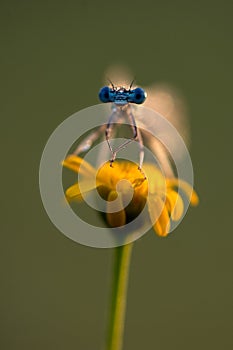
column 122, row 96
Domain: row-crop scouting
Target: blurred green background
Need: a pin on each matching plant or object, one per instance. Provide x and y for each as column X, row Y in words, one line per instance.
column 54, row 292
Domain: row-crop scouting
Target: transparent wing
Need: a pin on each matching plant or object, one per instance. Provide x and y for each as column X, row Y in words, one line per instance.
column 168, row 101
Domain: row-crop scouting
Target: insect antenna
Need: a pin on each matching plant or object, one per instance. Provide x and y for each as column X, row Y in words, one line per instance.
column 111, row 84
column 131, row 84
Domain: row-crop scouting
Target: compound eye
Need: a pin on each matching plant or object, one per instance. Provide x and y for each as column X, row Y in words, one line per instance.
column 139, row 96
column 104, row 94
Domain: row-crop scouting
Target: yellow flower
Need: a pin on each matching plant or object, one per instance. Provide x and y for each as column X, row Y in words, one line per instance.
column 126, row 192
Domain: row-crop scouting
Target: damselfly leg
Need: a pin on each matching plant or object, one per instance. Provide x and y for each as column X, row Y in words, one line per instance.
column 87, row 143
column 136, row 133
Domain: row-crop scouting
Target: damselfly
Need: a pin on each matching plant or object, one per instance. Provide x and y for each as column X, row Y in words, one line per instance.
column 122, row 100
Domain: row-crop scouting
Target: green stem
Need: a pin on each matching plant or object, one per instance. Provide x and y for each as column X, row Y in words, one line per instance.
column 119, row 297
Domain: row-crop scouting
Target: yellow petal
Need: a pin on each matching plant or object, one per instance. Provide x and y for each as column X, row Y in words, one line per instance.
column 78, row 190
column 78, row 165
column 156, row 180
column 186, row 188
column 159, row 215
column 175, row 205
column 116, row 216
column 194, row 200
column 162, row 226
